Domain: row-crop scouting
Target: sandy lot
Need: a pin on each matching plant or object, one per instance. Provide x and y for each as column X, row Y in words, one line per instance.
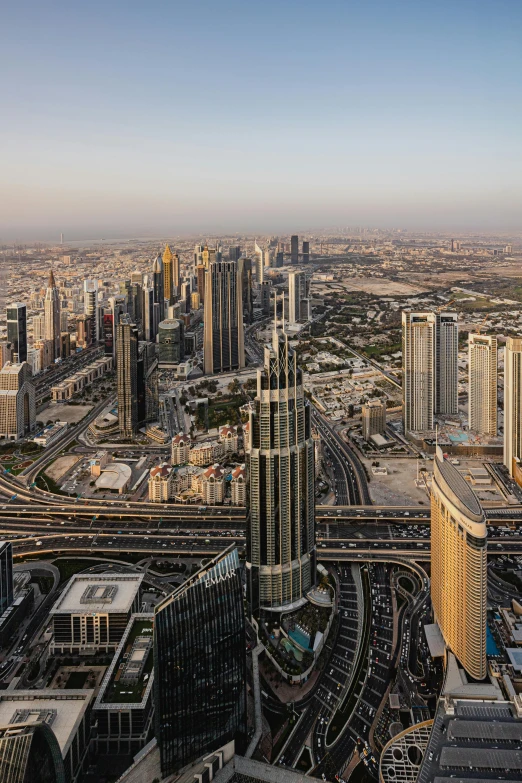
column 383, row 287
column 60, row 466
column 72, row 414
column 398, row 487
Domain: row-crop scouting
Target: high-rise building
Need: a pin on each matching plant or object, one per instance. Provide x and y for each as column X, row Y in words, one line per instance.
column 64, row 321
column 52, row 315
column 234, row 253
column 17, row 330
column 280, row 459
column 512, row 403
column 171, row 340
column 29, row 751
column 297, row 294
column 200, row 665
column 265, row 296
column 83, row 331
column 294, row 249
column 430, row 368
column 176, row 275
column 185, row 296
column 259, row 264
column 6, row 575
column 38, row 327
column 459, row 566
column 148, row 313
column 147, row 382
column 482, row 388
column 127, row 351
column 90, row 307
column 159, row 293
column 17, row 406
column 306, row 252
column 224, row 348
column 244, row 266
column 167, row 275
column 373, row 418
column 111, row 318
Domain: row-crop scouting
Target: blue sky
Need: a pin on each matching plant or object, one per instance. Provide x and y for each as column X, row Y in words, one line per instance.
column 134, row 118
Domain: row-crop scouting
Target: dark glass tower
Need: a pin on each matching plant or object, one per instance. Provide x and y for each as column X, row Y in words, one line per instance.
column 6, row 575
column 29, row 752
column 127, row 351
column 280, row 458
column 17, row 329
column 199, row 665
column 158, row 284
column 294, row 249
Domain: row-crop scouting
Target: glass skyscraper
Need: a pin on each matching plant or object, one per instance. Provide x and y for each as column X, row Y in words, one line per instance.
column 200, row 665
column 6, row 575
column 17, row 329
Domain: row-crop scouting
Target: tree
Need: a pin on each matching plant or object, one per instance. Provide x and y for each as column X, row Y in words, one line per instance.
column 234, row 387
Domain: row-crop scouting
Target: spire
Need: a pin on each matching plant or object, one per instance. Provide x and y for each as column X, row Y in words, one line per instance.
column 157, row 267
column 51, row 283
column 167, row 254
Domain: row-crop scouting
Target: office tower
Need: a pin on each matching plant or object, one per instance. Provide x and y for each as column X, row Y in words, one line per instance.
column 198, row 257
column 185, row 296
column 29, row 751
column 176, row 275
column 159, row 293
column 430, row 368
column 200, row 665
column 447, row 363
column 195, row 302
column 224, row 348
column 234, row 253
column 83, row 331
column 373, row 418
column 17, row 406
column 17, row 330
column 64, row 321
column 6, row 353
column 512, row 402
column 244, row 266
column 137, row 277
column 259, row 265
column 167, row 274
column 482, row 387
column 171, row 339
column 147, row 382
column 267, row 259
column 52, row 315
column 117, row 306
column 90, row 307
column 265, row 295
column 279, row 259
column 296, row 295
column 127, row 351
column 65, row 345
column 280, row 459
column 459, row 566
column 306, row 252
column 6, row 575
column 38, row 327
column 294, row 249
column 135, row 303
column 200, row 278
column 148, row 314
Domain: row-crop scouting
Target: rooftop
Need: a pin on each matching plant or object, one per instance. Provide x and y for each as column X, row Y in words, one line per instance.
column 116, row 688
column 458, row 487
column 76, row 599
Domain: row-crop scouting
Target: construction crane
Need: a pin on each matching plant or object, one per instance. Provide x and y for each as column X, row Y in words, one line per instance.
column 481, row 325
column 444, row 306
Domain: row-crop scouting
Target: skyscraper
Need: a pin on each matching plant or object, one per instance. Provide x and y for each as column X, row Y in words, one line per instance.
column 167, row 274
column 17, row 329
column 244, row 266
column 259, row 264
column 52, row 315
column 147, row 382
column 234, row 253
column 482, row 389
column 176, row 276
column 30, row 752
column 280, row 458
column 430, row 368
column 38, row 327
column 159, row 292
column 512, row 402
column 111, row 318
column 294, row 249
column 127, row 351
column 459, row 566
column 199, row 665
column 171, row 341
column 297, row 294
column 6, row 575
column 306, row 252
column 223, row 348
column 17, row 405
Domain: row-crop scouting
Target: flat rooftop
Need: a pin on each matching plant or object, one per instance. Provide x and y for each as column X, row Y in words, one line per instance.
column 69, row 708
column 107, row 593
column 114, row 688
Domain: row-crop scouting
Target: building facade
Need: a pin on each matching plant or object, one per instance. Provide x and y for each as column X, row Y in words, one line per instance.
column 30, row 752
column 17, row 403
column 171, row 342
column 6, row 575
column 280, row 462
column 512, row 402
column 373, row 418
column 459, row 566
column 52, row 316
column 180, row 449
column 91, row 309
column 223, row 348
column 482, row 389
column 17, row 330
column 127, row 365
column 200, row 665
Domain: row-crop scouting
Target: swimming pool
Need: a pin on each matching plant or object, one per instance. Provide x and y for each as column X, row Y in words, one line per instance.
column 491, row 645
column 301, row 638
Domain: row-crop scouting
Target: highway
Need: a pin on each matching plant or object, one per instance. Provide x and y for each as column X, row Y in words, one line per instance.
column 348, row 472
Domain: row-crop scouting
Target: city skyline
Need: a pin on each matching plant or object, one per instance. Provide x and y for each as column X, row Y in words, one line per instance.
column 349, row 113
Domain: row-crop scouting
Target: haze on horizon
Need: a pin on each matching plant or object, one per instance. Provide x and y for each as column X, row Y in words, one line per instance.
column 137, row 119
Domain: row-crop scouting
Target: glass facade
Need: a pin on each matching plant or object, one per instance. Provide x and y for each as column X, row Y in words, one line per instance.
column 200, row 665
column 6, row 575
column 30, row 753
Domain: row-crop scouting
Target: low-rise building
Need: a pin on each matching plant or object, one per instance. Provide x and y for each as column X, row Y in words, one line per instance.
column 161, row 483
column 180, row 449
column 79, row 381
column 207, row 453
column 238, row 483
column 228, row 436
column 213, row 485
column 51, row 434
column 92, row 612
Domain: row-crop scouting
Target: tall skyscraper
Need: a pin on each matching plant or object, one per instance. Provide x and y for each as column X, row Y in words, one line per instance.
column 430, row 368
column 147, row 382
column 306, row 252
column 30, row 752
column 234, row 253
column 111, row 318
column 459, row 566
column 52, row 315
column 294, row 249
column 127, row 351
column 17, row 406
column 512, row 402
column 297, row 294
column 244, row 266
column 17, row 329
column 38, row 327
column 259, row 264
column 159, row 292
column 482, row 387
column 199, row 665
column 167, row 274
column 171, row 341
column 176, row 275
column 223, row 348
column 280, row 458
column 6, row 575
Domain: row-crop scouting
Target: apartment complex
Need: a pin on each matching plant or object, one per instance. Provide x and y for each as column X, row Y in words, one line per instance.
column 482, row 389
column 512, row 402
column 373, row 418
column 17, row 403
column 223, row 348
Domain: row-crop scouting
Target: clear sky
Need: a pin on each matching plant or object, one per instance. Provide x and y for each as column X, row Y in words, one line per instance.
column 125, row 118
